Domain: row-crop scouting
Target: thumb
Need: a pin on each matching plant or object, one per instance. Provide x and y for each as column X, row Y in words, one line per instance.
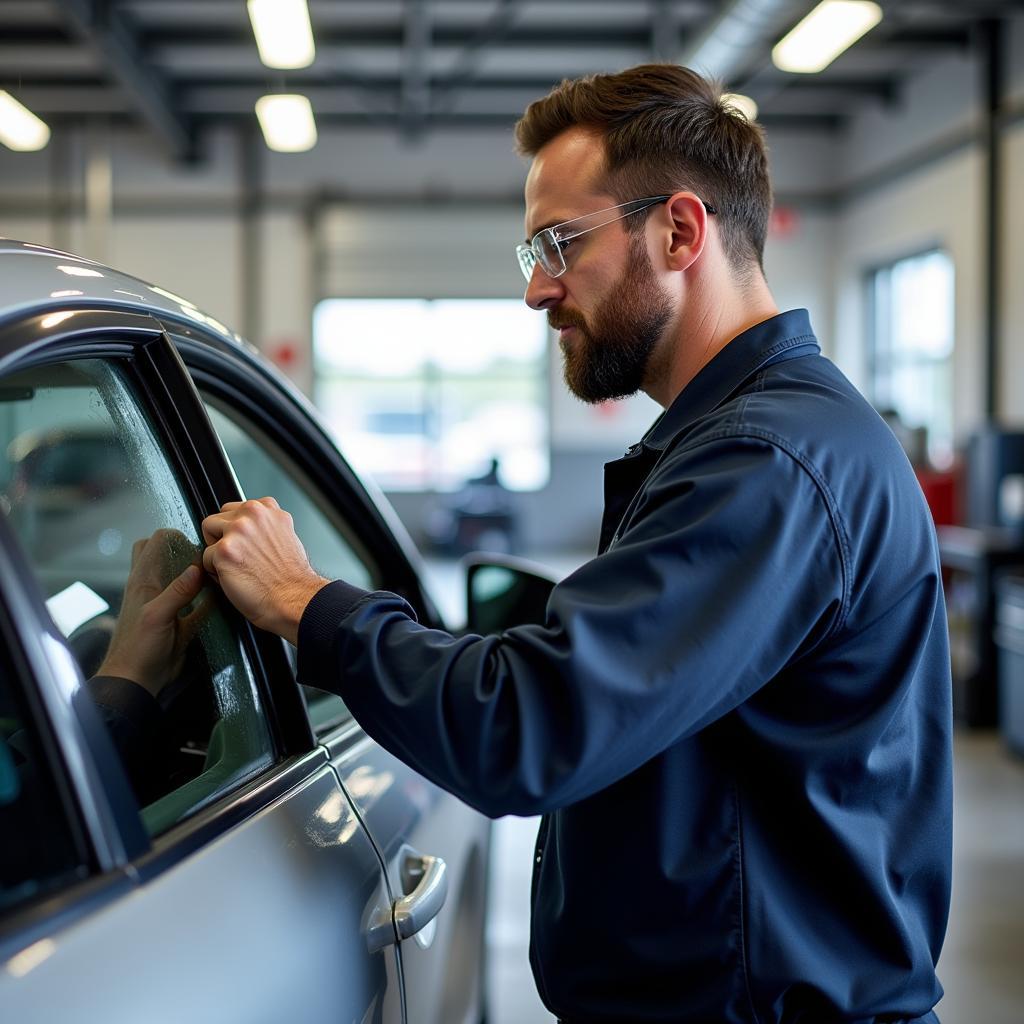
column 178, row 593
column 190, row 624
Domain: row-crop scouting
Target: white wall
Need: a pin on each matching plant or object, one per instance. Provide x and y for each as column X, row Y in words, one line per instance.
column 938, row 106
column 941, row 206
column 913, row 176
column 800, row 269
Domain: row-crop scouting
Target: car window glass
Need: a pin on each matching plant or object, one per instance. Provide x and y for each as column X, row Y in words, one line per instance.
column 263, row 470
column 37, row 850
column 91, row 496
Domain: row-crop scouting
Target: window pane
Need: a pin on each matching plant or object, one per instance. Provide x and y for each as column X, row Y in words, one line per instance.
column 912, row 347
column 37, row 851
column 264, row 470
column 85, row 482
column 425, row 394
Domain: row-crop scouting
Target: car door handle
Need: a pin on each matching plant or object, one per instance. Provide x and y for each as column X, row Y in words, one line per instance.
column 416, row 910
column 427, row 877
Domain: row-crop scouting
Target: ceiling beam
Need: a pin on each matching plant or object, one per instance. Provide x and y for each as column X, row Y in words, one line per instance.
column 577, row 37
column 665, row 36
column 103, row 26
column 797, row 122
column 415, row 85
column 924, row 39
column 467, row 63
column 878, row 87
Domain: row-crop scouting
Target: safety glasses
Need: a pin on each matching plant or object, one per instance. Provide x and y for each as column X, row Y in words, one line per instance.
column 548, row 246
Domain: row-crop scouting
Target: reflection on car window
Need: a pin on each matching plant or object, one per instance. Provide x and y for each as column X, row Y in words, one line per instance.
column 37, row 852
column 84, row 482
column 264, row 470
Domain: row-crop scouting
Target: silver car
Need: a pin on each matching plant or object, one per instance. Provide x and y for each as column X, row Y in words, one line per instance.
column 243, row 851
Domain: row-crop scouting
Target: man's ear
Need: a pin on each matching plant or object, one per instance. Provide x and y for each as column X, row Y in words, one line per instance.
column 688, row 230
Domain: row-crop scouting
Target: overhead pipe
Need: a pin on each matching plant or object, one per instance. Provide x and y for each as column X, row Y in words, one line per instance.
column 738, row 34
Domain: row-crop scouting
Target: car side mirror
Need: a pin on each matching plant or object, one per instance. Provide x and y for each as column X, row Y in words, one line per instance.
column 503, row 591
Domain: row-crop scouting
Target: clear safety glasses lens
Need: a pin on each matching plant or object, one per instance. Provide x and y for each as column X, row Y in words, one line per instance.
column 549, row 252
column 527, row 259
column 544, row 249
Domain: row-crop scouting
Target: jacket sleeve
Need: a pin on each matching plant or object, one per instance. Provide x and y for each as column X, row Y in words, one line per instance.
column 135, row 722
column 729, row 568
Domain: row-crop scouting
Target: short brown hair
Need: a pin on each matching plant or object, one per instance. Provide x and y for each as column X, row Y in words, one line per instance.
column 666, row 128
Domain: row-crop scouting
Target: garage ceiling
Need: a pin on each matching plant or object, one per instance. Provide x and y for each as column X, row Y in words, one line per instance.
column 411, row 65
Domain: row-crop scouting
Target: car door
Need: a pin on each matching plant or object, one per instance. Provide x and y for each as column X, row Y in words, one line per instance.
column 210, row 867
column 277, row 448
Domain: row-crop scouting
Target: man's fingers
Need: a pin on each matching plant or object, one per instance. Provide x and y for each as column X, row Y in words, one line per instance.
column 208, row 563
column 213, row 527
column 178, row 593
column 137, row 549
column 189, row 624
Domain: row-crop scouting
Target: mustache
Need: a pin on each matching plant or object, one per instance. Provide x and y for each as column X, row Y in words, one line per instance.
column 565, row 318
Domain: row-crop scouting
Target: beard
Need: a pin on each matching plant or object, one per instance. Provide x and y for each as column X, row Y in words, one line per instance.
column 610, row 356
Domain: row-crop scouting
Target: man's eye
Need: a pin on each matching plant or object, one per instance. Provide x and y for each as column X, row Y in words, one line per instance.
column 564, row 244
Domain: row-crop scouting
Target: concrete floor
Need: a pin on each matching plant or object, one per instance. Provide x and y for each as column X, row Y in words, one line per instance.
column 982, row 962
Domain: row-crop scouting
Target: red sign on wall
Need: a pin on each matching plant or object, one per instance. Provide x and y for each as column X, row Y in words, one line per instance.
column 784, row 222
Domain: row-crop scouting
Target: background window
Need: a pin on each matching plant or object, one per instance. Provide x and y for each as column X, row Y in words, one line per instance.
column 84, row 478
column 912, row 347
column 425, row 393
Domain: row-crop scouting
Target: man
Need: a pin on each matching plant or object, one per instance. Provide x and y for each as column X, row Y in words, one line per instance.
column 735, row 719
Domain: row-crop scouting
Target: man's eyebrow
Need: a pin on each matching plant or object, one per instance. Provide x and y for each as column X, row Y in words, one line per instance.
column 550, row 224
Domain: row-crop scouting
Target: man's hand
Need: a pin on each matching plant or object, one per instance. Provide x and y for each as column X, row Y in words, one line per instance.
column 150, row 639
column 261, row 564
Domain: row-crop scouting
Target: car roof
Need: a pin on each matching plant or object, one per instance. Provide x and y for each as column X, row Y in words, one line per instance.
column 38, row 278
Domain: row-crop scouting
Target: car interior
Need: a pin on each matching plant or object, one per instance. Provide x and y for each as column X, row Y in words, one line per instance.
column 83, row 478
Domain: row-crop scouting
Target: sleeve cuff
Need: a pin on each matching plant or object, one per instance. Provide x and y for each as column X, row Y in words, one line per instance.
column 320, row 622
column 127, row 701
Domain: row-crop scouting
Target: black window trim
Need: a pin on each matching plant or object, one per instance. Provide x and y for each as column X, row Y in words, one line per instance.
column 244, row 384
column 184, row 424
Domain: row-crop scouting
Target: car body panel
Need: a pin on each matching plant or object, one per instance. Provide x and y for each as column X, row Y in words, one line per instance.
column 257, row 907
column 61, row 281
column 443, row 979
column 262, row 925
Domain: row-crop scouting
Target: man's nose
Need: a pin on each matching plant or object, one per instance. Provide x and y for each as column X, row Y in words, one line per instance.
column 542, row 290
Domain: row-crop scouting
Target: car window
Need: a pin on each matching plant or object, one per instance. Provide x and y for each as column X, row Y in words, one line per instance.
column 263, row 469
column 89, row 492
column 38, row 852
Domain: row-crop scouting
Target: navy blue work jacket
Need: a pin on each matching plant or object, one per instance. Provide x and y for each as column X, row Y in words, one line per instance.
column 736, row 719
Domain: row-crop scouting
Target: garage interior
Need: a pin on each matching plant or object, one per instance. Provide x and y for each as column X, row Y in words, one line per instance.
column 898, row 202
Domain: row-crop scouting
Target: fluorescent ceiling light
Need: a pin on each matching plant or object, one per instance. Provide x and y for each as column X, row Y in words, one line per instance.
column 284, row 36
column 744, row 104
column 170, row 295
column 20, row 129
column 287, row 122
column 833, row 26
column 29, row 959
column 52, row 319
column 79, row 271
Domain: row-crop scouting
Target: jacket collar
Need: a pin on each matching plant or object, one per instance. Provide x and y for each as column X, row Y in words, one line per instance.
column 783, row 336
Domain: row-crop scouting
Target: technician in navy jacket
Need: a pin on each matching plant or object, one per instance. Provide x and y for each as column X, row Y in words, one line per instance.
column 736, row 718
